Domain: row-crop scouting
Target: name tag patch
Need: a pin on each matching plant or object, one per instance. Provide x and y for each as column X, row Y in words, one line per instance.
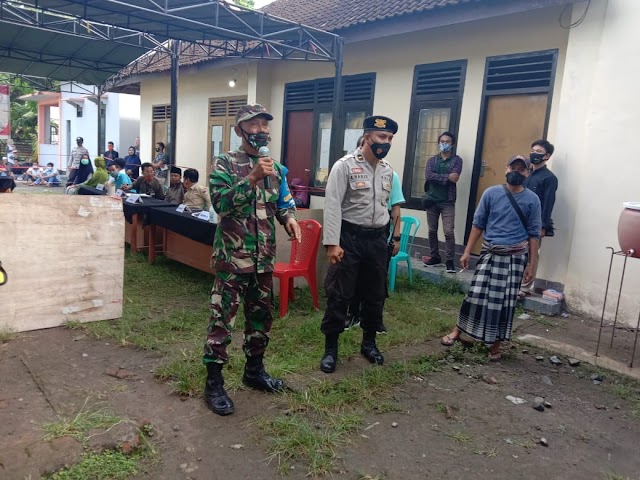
column 359, row 185
column 357, row 170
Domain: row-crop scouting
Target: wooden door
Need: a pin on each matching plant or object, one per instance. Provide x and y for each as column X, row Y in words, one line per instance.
column 298, row 145
column 512, row 122
column 160, row 129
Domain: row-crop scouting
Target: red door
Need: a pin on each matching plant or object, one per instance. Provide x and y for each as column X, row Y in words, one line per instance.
column 298, row 145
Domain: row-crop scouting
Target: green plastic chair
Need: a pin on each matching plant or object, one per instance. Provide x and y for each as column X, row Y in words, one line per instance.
column 410, row 226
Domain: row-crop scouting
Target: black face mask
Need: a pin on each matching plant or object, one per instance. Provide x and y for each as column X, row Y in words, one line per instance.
column 536, row 158
column 515, row 178
column 380, row 150
column 256, row 140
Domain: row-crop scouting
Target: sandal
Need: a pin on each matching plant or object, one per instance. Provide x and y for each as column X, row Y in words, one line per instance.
column 494, row 357
column 448, row 340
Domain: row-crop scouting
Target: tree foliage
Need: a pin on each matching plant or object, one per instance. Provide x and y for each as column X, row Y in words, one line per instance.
column 245, row 3
column 24, row 114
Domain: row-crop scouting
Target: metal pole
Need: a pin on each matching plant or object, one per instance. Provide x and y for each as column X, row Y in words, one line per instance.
column 604, row 304
column 337, row 112
column 99, row 120
column 175, row 57
column 615, row 318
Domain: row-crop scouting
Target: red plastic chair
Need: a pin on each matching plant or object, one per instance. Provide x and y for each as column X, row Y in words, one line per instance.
column 301, row 264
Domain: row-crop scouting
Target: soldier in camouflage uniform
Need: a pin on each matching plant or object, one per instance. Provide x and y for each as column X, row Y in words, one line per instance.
column 244, row 250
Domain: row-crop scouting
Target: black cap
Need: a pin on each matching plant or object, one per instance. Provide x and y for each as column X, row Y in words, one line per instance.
column 79, row 139
column 380, row 124
column 176, row 170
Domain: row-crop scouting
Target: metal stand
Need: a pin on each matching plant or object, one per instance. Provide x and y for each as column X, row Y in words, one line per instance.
column 626, row 255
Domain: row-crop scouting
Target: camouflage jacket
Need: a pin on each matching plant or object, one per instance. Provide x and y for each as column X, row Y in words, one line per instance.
column 245, row 240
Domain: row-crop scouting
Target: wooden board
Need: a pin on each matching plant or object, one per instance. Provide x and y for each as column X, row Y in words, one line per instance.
column 64, row 257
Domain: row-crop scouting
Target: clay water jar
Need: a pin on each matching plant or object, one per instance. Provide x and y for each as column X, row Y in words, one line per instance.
column 629, row 228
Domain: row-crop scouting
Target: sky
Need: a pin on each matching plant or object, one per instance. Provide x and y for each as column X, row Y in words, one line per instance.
column 262, row 3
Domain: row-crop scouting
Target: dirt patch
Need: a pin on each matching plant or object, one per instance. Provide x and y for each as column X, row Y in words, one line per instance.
column 49, row 374
column 590, row 432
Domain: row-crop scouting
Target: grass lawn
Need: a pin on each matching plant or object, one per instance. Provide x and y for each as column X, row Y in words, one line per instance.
column 166, row 310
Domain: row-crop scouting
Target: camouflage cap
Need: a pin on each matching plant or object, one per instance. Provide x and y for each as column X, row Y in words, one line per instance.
column 247, row 112
column 515, row 158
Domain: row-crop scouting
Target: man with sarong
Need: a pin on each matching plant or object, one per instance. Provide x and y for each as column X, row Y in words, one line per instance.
column 508, row 220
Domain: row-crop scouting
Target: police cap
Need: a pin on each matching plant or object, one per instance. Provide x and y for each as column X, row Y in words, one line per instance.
column 380, row 124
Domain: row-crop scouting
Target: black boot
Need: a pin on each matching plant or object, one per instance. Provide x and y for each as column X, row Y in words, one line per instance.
column 369, row 349
column 255, row 376
column 330, row 357
column 214, row 394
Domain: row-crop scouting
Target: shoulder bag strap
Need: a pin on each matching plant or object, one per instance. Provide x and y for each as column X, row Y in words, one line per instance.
column 516, row 207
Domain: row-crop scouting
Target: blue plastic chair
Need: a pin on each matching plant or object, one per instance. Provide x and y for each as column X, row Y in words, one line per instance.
column 410, row 226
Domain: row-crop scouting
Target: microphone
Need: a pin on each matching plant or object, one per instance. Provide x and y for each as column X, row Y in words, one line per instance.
column 264, row 152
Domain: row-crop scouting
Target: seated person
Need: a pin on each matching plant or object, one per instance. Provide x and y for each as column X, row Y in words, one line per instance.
column 117, row 172
column 84, row 175
column 99, row 177
column 50, row 176
column 147, row 184
column 175, row 194
column 6, row 167
column 33, row 173
column 7, row 183
column 300, row 193
column 195, row 196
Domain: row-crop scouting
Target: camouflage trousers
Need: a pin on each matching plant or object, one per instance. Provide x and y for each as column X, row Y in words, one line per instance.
column 255, row 291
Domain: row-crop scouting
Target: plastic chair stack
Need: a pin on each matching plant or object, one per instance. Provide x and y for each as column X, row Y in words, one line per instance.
column 410, row 227
column 302, row 263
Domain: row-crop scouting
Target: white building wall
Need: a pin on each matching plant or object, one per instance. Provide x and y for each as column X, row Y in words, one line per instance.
column 122, row 121
column 194, row 91
column 597, row 138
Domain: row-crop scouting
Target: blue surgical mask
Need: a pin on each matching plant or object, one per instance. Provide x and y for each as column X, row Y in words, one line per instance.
column 444, row 147
column 84, row 161
column 113, row 174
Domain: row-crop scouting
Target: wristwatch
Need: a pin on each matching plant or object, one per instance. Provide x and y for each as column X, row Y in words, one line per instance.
column 396, row 239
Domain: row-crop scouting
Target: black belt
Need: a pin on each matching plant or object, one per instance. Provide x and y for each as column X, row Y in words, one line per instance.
column 365, row 232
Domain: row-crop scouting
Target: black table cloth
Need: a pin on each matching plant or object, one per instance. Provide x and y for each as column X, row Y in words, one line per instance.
column 86, row 190
column 130, row 209
column 184, row 223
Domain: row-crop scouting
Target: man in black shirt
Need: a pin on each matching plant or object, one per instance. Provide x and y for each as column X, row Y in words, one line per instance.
column 543, row 183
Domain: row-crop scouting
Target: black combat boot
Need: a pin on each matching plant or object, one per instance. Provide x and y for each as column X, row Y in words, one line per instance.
column 369, row 349
column 214, row 394
column 255, row 376
column 330, row 357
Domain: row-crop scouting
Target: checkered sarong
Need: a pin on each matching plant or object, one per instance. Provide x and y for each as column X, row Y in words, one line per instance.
column 487, row 311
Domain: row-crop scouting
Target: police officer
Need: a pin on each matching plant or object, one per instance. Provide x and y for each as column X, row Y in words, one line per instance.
column 74, row 160
column 355, row 235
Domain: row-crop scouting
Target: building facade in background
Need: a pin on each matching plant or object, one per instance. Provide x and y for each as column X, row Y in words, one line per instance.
column 499, row 74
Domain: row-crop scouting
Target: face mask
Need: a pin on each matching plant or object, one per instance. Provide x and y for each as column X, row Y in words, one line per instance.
column 536, row 158
column 444, row 147
column 113, row 174
column 256, row 140
column 84, row 161
column 380, row 150
column 515, row 178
